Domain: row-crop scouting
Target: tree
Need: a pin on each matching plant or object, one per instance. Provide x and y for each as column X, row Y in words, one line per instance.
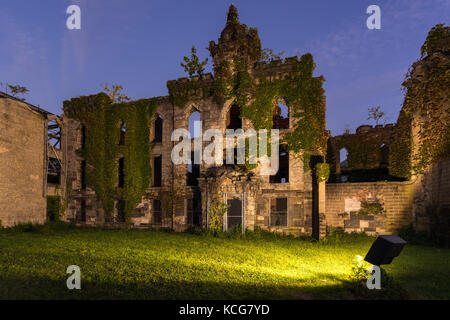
column 18, row 90
column 375, row 114
column 115, row 93
column 268, row 55
column 193, row 65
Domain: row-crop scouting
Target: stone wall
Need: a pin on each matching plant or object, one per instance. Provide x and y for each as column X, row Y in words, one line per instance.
column 431, row 206
column 343, row 199
column 22, row 149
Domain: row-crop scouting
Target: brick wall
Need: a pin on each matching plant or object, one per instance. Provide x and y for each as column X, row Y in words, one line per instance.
column 22, row 147
column 396, row 198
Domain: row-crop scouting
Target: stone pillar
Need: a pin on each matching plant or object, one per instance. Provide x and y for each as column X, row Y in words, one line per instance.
column 322, row 211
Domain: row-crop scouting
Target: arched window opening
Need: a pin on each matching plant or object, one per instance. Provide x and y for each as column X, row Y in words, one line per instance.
column 83, row 137
column 158, row 129
column 384, row 155
column 193, row 171
column 157, row 171
column 121, row 173
column 123, row 130
column 343, row 153
column 280, row 115
column 234, row 120
column 282, row 176
column 194, row 125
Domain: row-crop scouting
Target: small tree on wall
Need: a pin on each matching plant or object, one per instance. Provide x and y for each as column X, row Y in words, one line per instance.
column 16, row 91
column 376, row 114
column 115, row 93
column 268, row 55
column 193, row 64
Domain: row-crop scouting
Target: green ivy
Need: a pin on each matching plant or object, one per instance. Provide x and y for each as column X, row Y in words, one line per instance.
column 401, row 143
column 371, row 208
column 257, row 96
column 322, row 172
column 424, row 100
column 302, row 92
column 102, row 119
column 363, row 150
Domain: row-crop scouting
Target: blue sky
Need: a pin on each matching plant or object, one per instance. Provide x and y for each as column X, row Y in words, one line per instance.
column 140, row 44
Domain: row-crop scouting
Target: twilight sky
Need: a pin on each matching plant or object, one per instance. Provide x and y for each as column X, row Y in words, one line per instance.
column 140, row 44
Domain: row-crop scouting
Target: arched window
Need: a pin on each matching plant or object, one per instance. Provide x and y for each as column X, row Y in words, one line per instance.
column 282, row 175
column 158, row 129
column 281, row 115
column 121, row 173
column 343, row 153
column 384, row 155
column 123, row 130
column 194, row 124
column 234, row 120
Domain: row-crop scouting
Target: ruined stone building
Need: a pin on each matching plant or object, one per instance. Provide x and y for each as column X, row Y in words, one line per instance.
column 27, row 145
column 286, row 201
column 106, row 162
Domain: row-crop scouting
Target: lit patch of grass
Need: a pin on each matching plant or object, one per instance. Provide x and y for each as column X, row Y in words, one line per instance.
column 133, row 264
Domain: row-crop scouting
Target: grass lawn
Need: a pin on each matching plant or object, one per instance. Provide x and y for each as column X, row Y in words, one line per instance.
column 138, row 264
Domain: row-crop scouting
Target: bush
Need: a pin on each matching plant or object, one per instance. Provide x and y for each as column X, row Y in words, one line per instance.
column 338, row 235
column 412, row 236
column 53, row 208
column 47, row 227
column 390, row 289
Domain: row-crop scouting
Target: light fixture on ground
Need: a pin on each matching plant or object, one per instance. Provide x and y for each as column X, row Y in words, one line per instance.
column 385, row 249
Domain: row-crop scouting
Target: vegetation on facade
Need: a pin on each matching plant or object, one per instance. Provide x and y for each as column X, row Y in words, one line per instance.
column 363, row 150
column 217, row 210
column 426, row 95
column 375, row 114
column 192, row 64
column 322, row 172
column 102, row 120
column 370, row 208
column 257, row 96
column 16, row 91
column 53, row 208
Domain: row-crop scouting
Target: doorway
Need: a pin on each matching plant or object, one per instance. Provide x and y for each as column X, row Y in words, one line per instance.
column 234, row 214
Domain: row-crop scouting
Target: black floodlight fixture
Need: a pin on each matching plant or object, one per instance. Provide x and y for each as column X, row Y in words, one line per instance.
column 385, row 249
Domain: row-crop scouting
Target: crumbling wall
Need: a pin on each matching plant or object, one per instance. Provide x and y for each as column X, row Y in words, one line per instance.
column 367, row 148
column 343, row 202
column 22, row 149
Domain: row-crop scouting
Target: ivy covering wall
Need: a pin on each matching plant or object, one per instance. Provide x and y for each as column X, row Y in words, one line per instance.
column 363, row 150
column 427, row 105
column 257, row 95
column 102, row 120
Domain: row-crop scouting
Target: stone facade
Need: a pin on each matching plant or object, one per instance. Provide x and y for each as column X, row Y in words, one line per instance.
column 431, row 202
column 177, row 199
column 254, row 193
column 23, row 135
